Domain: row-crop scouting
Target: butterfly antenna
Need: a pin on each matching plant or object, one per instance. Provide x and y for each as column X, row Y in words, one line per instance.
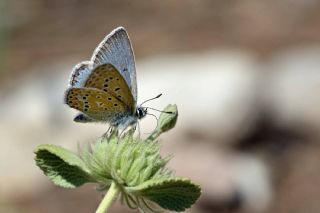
column 158, row 96
column 159, row 110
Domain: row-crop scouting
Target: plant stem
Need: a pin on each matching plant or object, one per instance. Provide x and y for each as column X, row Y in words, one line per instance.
column 109, row 198
column 154, row 135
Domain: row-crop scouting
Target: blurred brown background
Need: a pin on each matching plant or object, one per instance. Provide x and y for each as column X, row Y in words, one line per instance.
column 245, row 75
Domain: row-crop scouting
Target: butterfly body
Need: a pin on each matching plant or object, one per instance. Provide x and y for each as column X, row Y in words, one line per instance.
column 104, row 89
column 118, row 120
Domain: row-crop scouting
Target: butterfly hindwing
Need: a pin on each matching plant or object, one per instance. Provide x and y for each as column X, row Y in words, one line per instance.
column 116, row 49
column 107, row 78
column 97, row 104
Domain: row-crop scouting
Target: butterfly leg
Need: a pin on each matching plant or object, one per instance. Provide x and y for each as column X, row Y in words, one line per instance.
column 122, row 133
column 109, row 132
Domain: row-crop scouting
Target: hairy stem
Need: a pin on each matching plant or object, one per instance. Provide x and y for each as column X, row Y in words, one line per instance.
column 154, row 135
column 109, row 198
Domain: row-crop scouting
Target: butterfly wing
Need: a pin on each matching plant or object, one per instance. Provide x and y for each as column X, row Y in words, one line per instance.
column 107, row 78
column 97, row 104
column 116, row 49
column 80, row 73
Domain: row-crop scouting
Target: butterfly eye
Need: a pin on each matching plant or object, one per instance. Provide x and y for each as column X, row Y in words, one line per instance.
column 140, row 113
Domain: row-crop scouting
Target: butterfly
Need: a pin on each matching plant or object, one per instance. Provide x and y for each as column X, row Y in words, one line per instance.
column 104, row 89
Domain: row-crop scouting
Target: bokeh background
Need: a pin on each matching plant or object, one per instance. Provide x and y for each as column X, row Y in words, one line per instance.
column 245, row 75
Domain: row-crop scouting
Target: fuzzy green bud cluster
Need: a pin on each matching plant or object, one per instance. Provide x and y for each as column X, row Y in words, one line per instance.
column 128, row 161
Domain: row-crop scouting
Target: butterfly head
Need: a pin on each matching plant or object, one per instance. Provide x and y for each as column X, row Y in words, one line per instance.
column 141, row 112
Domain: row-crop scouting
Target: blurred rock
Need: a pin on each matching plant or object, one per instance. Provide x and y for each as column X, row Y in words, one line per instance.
column 291, row 89
column 252, row 179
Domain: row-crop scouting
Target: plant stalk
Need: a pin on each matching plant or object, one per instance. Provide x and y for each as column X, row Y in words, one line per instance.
column 109, row 198
column 154, row 135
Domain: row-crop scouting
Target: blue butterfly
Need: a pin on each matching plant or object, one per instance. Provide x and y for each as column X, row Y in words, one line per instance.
column 104, row 89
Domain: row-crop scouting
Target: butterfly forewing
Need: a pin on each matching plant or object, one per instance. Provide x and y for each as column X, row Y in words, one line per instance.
column 116, row 49
column 97, row 104
column 107, row 78
column 79, row 73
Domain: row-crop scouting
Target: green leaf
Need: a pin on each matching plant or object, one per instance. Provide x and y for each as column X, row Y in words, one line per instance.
column 175, row 194
column 62, row 167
